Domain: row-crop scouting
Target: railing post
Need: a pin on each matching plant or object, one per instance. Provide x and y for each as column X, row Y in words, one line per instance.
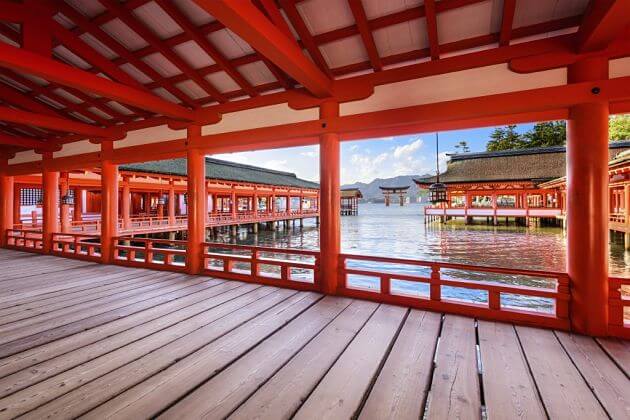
column 587, row 204
column 330, row 224
column 197, row 201
column 171, row 202
column 435, row 289
column 126, row 204
column 6, row 201
column 109, row 202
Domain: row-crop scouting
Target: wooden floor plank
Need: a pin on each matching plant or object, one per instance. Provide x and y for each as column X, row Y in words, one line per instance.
column 340, row 392
column 176, row 307
column 283, row 394
column 89, row 365
column 106, row 285
column 63, row 316
column 30, row 341
column 150, row 369
column 509, row 389
column 562, row 389
column 223, row 393
column 606, row 380
column 618, row 350
column 42, row 267
column 121, row 348
column 50, row 309
column 455, row 391
column 401, row 388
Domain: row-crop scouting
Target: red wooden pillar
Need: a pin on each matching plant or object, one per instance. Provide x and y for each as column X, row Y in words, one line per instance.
column 171, row 202
column 587, row 204
column 50, row 203
column 17, row 204
column 6, row 201
column 64, row 209
column 78, row 205
column 197, row 203
column 126, row 203
column 233, row 203
column 330, row 204
column 109, row 203
column 255, row 203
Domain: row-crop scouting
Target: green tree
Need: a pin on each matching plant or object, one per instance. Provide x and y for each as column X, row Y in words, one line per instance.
column 619, row 127
column 504, row 138
column 462, row 147
column 546, row 134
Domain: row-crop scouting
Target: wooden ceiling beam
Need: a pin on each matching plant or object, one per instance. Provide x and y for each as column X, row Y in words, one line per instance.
column 171, row 9
column 48, row 69
column 26, row 142
column 505, row 35
column 366, row 34
column 141, row 29
column 432, row 33
column 602, row 23
column 257, row 30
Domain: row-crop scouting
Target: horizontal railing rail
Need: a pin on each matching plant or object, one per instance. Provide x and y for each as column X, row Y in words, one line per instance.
column 440, row 286
column 160, row 254
column 295, row 268
column 618, row 301
column 77, row 245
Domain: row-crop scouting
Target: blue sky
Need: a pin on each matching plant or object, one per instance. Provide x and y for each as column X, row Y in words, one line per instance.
column 366, row 160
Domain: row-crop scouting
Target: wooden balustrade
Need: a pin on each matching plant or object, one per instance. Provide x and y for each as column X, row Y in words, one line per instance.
column 296, row 269
column 427, row 290
column 25, row 239
column 77, row 245
column 618, row 301
column 143, row 252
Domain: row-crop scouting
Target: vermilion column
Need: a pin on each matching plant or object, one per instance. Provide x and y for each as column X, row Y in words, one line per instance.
column 171, row 203
column 50, row 203
column 109, row 204
column 587, row 204
column 197, row 204
column 126, row 203
column 64, row 209
column 17, row 205
column 330, row 206
column 78, row 204
column 6, row 201
column 234, row 207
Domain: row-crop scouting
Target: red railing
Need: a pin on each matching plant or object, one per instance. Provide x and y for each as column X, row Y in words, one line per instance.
column 161, row 254
column 618, row 301
column 283, row 267
column 617, row 218
column 447, row 287
column 25, row 239
column 77, row 245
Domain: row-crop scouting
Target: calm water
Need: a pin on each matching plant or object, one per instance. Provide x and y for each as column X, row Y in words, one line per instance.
column 401, row 232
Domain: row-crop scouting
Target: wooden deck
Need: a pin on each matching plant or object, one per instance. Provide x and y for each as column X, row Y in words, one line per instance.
column 81, row 339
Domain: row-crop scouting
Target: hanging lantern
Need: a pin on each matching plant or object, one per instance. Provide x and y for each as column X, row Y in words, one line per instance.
column 67, row 199
column 186, row 198
column 437, row 190
column 437, row 193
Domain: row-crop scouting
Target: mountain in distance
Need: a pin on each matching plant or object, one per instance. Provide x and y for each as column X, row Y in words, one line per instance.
column 371, row 192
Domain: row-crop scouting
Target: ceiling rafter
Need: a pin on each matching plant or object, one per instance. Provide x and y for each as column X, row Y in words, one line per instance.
column 431, row 21
column 249, row 23
column 366, row 34
column 205, row 44
column 505, row 36
column 125, row 56
column 20, row 99
column 141, row 29
column 21, row 141
column 603, row 21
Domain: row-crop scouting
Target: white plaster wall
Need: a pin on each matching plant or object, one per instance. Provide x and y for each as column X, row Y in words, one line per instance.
column 451, row 86
column 77, row 148
column 149, row 135
column 619, row 67
column 23, row 157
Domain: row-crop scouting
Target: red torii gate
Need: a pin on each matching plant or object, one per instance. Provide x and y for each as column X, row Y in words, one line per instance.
column 31, row 124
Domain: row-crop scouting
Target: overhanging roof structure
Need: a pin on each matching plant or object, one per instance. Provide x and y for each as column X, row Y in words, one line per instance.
column 74, row 73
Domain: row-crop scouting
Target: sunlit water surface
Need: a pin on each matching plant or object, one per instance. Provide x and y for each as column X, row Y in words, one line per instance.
column 401, row 232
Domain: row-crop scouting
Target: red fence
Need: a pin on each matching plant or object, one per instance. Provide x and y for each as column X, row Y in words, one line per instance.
column 161, row 254
column 619, row 300
column 25, row 240
column 450, row 288
column 283, row 267
column 77, row 245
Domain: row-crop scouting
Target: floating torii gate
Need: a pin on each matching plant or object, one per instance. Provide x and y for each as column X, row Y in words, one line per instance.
column 124, row 108
column 388, row 192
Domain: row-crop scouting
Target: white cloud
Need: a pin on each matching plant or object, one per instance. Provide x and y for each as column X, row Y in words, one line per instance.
column 407, row 149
